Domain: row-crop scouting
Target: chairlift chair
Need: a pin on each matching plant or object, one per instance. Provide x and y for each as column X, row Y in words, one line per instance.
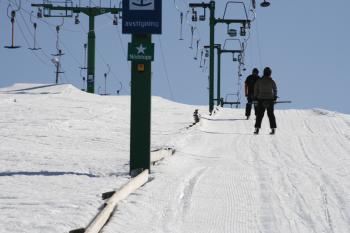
column 234, row 58
column 39, row 14
column 76, row 19
column 243, row 31
column 231, row 103
column 203, row 17
column 231, row 31
column 194, row 15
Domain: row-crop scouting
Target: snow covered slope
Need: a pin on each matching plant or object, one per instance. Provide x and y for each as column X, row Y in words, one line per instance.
column 225, row 179
column 61, row 148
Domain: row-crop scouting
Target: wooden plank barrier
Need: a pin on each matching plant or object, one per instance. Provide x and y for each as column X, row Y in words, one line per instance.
column 159, row 154
column 100, row 220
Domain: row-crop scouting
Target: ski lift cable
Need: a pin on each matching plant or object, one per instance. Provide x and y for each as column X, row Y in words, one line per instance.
column 181, row 20
column 27, row 27
column 66, row 78
column 258, row 42
column 28, row 44
column 28, row 12
column 165, row 69
column 105, row 62
column 186, row 16
column 195, row 32
column 121, row 42
column 238, row 2
column 122, row 47
column 30, row 32
column 69, row 51
column 66, row 48
column 177, row 7
column 18, row 5
column 60, row 40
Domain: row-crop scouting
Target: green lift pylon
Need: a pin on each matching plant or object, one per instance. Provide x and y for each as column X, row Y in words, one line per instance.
column 212, row 22
column 91, row 12
column 220, row 51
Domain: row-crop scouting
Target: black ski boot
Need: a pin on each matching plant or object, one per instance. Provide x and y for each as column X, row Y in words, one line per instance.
column 256, row 131
column 273, row 131
column 248, row 117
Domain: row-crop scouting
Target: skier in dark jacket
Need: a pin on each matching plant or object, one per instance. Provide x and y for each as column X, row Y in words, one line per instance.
column 265, row 92
column 249, row 91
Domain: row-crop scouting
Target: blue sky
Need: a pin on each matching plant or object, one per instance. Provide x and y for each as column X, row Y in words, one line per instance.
column 304, row 42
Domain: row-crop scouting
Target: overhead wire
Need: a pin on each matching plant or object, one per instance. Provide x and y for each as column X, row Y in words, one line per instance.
column 121, row 41
column 21, row 9
column 42, row 20
column 258, row 42
column 26, row 25
column 31, row 34
column 165, row 68
column 60, row 40
column 25, row 38
column 195, row 31
column 28, row 44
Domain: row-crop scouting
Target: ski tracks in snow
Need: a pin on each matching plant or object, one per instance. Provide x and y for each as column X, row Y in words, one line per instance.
column 231, row 181
column 177, row 212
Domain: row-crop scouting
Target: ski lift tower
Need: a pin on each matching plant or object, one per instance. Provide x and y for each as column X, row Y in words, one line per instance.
column 245, row 23
column 220, row 51
column 65, row 8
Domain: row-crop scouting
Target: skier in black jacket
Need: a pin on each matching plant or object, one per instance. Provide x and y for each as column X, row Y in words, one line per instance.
column 265, row 92
column 249, row 91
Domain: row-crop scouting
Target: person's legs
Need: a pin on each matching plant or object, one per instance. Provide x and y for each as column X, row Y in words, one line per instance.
column 248, row 107
column 271, row 115
column 255, row 109
column 260, row 115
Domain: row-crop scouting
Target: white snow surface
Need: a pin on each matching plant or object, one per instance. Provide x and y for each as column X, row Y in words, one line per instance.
column 61, row 148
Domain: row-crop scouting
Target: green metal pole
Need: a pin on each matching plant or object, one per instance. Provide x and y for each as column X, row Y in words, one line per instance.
column 211, row 58
column 91, row 55
column 140, row 128
column 219, row 76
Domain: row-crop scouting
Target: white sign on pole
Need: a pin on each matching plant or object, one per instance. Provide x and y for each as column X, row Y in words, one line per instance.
column 141, row 5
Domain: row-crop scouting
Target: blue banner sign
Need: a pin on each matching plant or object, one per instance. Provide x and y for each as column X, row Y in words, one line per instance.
column 142, row 16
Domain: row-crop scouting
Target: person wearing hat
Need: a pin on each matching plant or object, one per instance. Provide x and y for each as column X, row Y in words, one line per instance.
column 249, row 91
column 265, row 92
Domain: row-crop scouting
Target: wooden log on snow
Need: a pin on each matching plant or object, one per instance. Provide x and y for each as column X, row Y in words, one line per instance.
column 100, row 220
column 160, row 154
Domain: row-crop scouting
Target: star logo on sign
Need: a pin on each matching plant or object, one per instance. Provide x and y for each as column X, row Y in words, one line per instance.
column 141, row 50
